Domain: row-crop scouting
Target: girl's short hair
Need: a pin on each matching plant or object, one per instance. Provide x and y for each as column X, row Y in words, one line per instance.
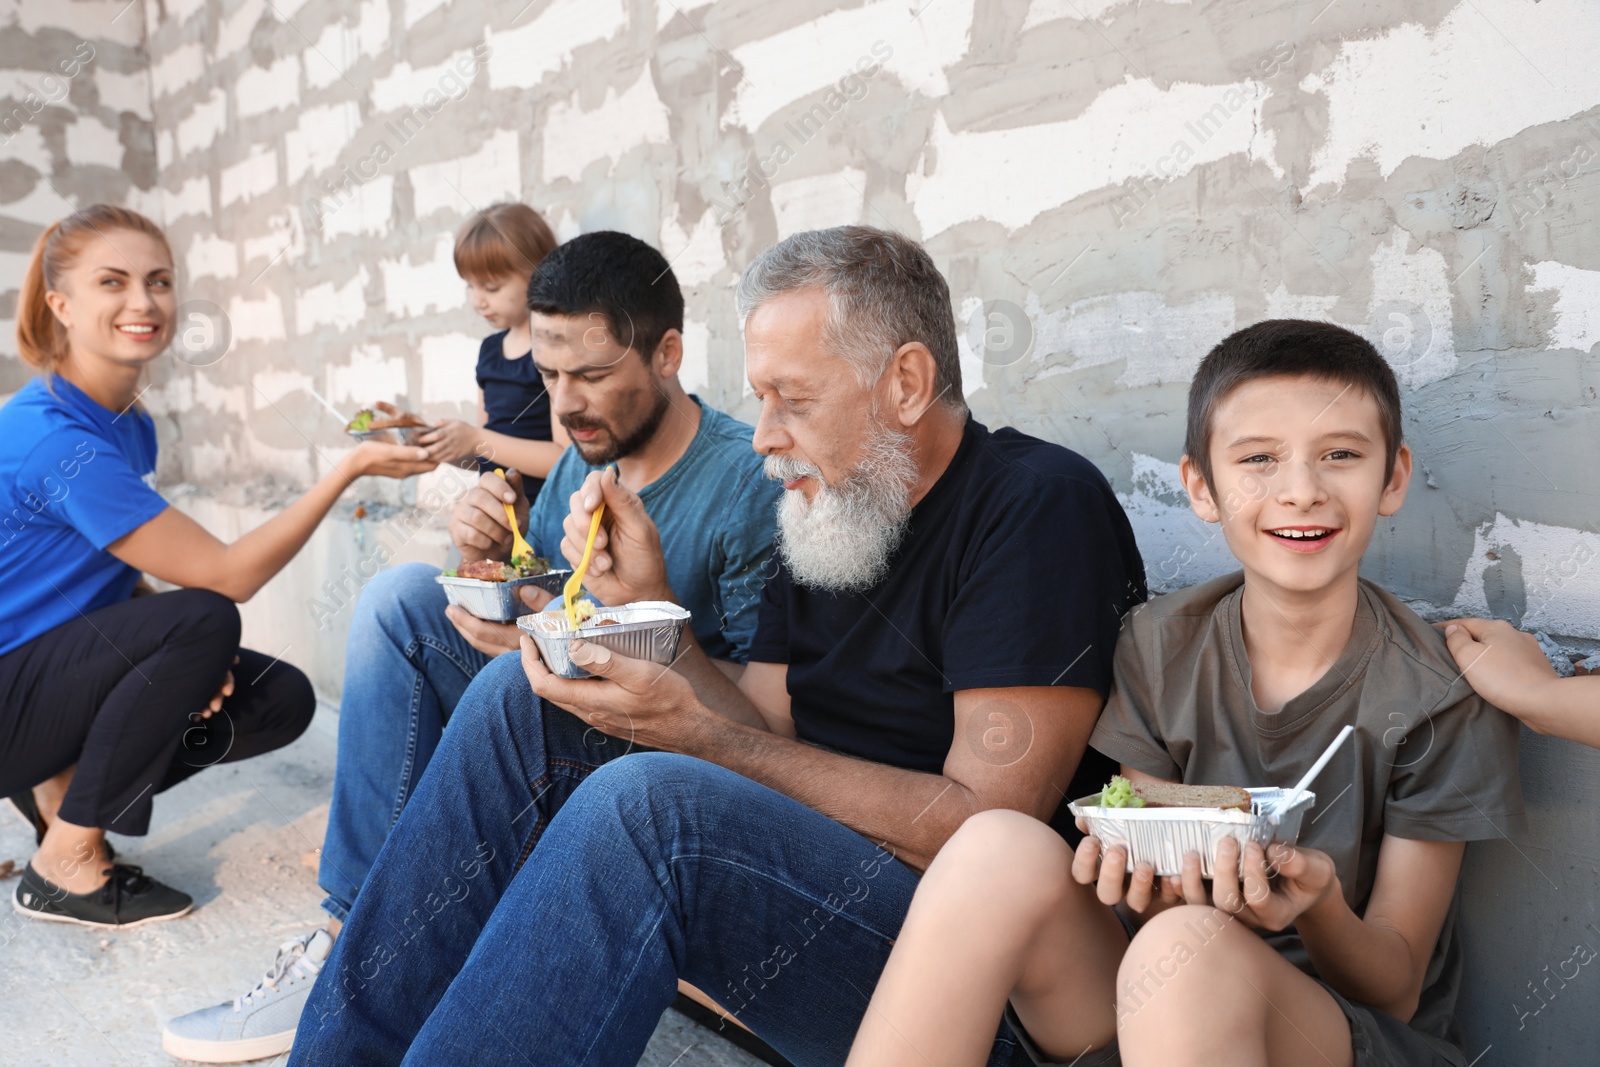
column 502, row 239
column 41, row 339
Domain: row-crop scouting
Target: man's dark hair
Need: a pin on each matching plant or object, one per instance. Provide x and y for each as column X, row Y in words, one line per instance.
column 1294, row 347
column 616, row 276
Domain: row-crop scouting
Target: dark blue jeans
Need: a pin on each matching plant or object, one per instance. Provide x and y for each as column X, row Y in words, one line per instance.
column 545, row 889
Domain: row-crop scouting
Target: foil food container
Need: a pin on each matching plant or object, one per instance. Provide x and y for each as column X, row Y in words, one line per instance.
column 498, row 601
column 649, row 630
column 1161, row 836
column 391, row 435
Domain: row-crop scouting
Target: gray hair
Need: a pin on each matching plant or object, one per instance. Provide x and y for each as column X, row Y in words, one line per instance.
column 883, row 292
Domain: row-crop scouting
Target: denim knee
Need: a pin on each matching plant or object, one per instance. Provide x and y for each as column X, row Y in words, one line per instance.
column 398, row 598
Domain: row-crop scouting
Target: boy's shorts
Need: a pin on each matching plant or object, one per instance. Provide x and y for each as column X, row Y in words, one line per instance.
column 1377, row 1038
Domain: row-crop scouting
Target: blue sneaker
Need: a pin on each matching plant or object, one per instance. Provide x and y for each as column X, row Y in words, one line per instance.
column 262, row 1022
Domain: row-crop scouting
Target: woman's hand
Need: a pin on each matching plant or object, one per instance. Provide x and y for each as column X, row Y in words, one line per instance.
column 453, row 441
column 224, row 691
column 387, row 461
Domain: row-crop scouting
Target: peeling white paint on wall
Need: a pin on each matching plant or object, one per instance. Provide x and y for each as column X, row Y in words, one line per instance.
column 472, row 182
column 320, row 134
column 250, row 177
column 695, row 256
column 1557, row 570
column 201, row 126
column 574, row 136
column 1412, row 322
column 819, row 200
column 1131, row 130
column 1159, row 342
column 193, row 197
column 257, row 319
column 262, row 89
column 1043, row 11
column 413, row 285
column 343, row 307
column 1577, row 306
column 523, row 55
column 211, row 256
column 448, row 369
column 365, row 212
column 1180, row 548
column 821, row 51
column 90, row 143
column 1485, row 74
column 233, row 32
column 368, row 376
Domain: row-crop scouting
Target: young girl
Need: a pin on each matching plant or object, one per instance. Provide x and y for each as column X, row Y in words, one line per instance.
column 99, row 687
column 496, row 253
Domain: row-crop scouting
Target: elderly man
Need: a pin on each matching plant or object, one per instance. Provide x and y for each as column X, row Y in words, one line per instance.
column 937, row 640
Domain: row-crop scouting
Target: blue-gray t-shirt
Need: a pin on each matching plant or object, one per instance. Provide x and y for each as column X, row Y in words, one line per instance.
column 716, row 512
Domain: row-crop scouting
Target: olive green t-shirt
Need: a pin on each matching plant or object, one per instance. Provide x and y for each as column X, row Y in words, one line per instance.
column 1429, row 760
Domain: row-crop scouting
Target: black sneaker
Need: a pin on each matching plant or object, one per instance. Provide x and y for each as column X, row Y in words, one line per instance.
column 23, row 802
column 129, row 898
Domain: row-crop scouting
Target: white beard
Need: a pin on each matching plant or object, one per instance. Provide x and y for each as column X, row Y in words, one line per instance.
column 841, row 540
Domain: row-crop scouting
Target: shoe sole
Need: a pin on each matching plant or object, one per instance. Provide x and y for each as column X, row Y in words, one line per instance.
column 45, row 916
column 241, row 1051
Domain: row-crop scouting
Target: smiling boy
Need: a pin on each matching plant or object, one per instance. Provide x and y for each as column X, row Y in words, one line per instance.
column 1341, row 950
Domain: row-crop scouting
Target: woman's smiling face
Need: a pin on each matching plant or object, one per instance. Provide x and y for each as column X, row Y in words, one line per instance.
column 117, row 299
column 1298, row 481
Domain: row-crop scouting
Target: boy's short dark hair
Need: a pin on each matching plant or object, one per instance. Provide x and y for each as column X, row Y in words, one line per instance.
column 616, row 276
column 1290, row 347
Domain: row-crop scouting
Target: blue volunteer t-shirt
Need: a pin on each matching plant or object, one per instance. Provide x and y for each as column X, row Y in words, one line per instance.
column 716, row 512
column 74, row 477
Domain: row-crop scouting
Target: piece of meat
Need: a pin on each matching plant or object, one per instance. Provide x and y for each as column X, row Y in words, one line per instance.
column 485, row 570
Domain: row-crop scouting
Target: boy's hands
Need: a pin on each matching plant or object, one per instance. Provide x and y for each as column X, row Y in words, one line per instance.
column 478, row 524
column 1506, row 666
column 627, row 564
column 1277, row 885
column 452, row 441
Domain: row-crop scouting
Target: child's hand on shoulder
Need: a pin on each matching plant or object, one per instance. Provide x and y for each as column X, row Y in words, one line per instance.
column 1278, row 885
column 452, row 441
column 1506, row 666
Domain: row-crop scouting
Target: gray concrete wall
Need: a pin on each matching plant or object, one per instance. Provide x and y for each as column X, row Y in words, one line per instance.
column 1110, row 187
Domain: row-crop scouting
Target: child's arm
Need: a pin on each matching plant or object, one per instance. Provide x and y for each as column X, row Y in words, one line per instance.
column 1379, row 958
column 1510, row 671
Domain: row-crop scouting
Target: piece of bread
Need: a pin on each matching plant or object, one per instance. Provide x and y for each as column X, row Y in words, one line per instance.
column 1166, row 795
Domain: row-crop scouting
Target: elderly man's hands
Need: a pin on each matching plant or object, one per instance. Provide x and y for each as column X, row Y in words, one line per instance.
column 627, row 564
column 640, row 702
column 478, row 524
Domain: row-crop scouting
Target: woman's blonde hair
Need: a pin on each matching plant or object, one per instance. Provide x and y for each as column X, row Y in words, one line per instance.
column 502, row 239
column 41, row 339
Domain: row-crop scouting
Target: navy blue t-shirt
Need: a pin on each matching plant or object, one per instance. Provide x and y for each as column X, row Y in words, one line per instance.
column 1016, row 570
column 514, row 398
column 75, row 477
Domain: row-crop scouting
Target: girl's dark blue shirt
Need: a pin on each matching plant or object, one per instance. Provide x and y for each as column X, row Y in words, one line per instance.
column 514, row 398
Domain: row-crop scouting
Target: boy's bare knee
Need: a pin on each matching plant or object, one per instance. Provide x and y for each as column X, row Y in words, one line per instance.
column 1006, row 851
column 1184, row 946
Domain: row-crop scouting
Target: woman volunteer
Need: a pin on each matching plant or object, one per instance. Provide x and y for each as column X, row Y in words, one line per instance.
column 108, row 697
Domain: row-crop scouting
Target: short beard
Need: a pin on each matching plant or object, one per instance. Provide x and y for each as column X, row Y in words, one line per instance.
column 842, row 540
column 636, row 438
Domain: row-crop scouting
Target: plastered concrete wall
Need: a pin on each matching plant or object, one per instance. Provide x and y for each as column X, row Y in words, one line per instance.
column 1110, row 187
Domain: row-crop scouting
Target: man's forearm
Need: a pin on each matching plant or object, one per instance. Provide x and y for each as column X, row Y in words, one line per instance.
column 911, row 812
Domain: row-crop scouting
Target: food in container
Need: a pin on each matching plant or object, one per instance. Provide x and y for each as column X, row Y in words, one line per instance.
column 402, row 429
column 648, row 629
column 488, row 588
column 1161, row 830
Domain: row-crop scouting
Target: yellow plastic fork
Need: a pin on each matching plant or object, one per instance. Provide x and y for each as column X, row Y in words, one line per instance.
column 519, row 545
column 569, row 592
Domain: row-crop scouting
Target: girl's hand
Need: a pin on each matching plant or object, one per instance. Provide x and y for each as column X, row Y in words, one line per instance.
column 215, row 705
column 1279, row 883
column 1506, row 666
column 453, row 441
column 386, row 460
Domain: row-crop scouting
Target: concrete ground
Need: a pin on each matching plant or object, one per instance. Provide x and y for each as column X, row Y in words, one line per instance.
column 232, row 837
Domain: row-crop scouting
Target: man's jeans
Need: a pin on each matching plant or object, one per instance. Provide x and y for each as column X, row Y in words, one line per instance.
column 406, row 667
column 468, row 946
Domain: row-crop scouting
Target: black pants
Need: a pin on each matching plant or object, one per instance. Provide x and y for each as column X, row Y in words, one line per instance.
column 113, row 691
